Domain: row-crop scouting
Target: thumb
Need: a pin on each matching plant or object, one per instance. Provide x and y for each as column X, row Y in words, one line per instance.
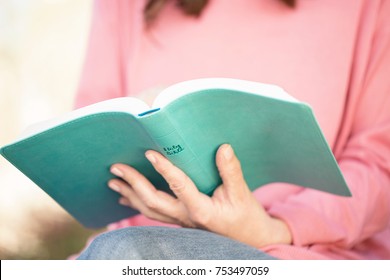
column 229, row 168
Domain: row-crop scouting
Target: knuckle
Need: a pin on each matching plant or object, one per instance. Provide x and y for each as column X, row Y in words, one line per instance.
column 186, row 224
column 232, row 173
column 236, row 177
column 181, row 213
column 200, row 218
column 183, row 219
column 130, row 175
column 151, row 204
column 177, row 187
column 236, row 168
column 233, row 170
column 163, row 169
column 148, row 214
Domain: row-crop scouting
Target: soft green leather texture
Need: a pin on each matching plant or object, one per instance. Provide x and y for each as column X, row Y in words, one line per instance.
column 276, row 141
column 71, row 163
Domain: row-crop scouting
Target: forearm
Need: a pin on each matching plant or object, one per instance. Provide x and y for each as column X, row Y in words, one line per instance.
column 315, row 217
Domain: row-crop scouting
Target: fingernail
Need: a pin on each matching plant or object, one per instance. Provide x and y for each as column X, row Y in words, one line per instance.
column 116, row 171
column 114, row 186
column 150, row 157
column 228, row 152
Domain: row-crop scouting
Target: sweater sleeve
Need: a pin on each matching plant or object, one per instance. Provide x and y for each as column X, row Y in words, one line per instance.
column 102, row 76
column 315, row 217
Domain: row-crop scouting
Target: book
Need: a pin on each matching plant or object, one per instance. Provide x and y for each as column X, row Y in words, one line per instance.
column 275, row 136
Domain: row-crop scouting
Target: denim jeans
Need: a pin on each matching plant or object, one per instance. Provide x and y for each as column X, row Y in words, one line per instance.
column 163, row 243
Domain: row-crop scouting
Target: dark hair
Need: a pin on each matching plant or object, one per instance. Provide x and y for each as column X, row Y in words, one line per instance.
column 189, row 7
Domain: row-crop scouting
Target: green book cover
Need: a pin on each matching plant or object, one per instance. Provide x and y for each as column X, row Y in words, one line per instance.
column 276, row 138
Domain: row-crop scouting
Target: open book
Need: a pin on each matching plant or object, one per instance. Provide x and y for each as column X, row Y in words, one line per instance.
column 276, row 138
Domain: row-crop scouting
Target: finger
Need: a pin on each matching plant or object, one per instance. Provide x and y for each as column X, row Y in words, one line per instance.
column 229, row 168
column 181, row 185
column 158, row 201
column 125, row 202
column 144, row 189
column 130, row 198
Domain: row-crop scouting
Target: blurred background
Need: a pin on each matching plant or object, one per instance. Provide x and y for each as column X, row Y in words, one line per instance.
column 42, row 44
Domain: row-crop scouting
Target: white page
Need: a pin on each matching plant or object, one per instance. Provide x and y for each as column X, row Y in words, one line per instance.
column 136, row 106
column 130, row 105
column 180, row 89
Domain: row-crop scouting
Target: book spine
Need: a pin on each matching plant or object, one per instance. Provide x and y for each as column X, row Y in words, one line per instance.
column 173, row 146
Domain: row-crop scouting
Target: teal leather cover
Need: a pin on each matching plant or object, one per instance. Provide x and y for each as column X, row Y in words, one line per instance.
column 71, row 163
column 276, row 141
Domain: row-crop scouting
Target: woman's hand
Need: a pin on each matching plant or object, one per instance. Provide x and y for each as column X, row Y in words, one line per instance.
column 232, row 211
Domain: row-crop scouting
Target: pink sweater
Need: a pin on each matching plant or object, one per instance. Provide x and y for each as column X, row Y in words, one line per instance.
column 334, row 55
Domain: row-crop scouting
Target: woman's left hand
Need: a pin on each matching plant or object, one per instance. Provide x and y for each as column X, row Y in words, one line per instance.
column 231, row 211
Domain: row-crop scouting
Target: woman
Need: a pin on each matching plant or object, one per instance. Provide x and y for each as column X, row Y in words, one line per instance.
column 334, row 55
